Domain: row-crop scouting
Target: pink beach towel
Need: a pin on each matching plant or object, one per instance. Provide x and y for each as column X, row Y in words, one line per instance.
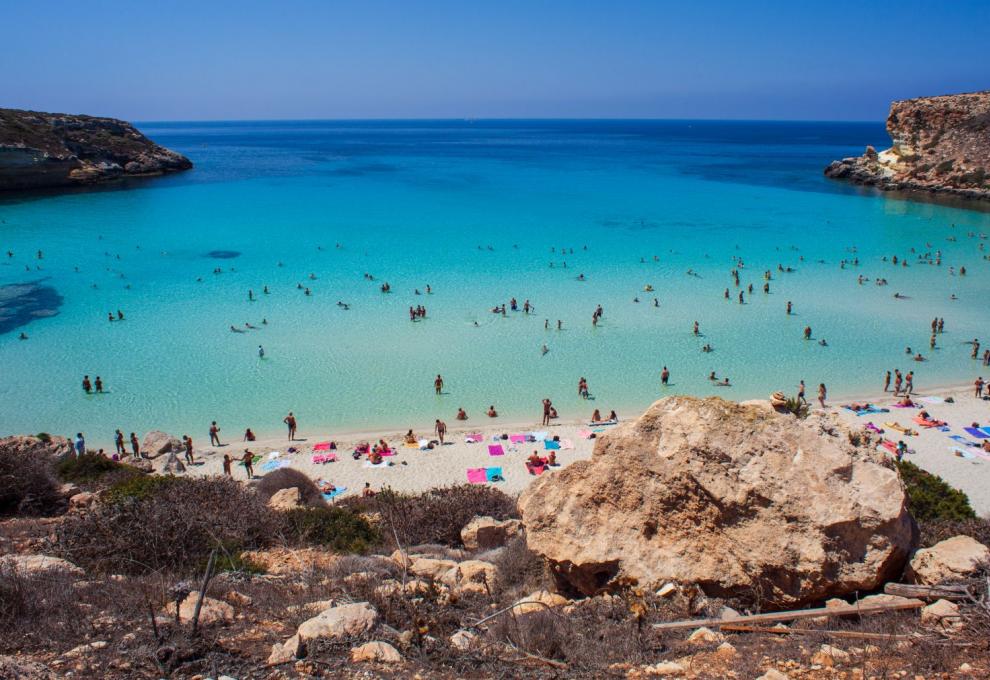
column 322, row 446
column 517, row 438
column 477, row 475
column 495, row 450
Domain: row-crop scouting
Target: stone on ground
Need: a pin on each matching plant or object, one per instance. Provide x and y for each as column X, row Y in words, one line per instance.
column 954, row 558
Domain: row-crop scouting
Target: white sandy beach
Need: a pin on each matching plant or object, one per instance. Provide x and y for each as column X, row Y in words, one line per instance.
column 416, row 470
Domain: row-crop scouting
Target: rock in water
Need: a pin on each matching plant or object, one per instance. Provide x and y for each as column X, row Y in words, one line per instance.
column 737, row 499
column 939, row 144
column 43, row 150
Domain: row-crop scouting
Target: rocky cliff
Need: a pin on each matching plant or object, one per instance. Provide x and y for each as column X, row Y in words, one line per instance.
column 735, row 499
column 939, row 144
column 44, row 150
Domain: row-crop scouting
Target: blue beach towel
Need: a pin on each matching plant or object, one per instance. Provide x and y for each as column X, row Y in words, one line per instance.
column 337, row 492
column 550, row 445
column 976, row 432
column 494, row 474
column 962, row 440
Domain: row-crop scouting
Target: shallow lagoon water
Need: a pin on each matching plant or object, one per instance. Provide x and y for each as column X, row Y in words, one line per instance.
column 410, row 203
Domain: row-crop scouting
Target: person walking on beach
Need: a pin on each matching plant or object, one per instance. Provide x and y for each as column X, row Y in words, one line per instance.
column 290, row 422
column 664, row 376
column 908, row 383
column 979, row 387
column 886, row 382
column 438, row 384
column 227, row 460
column 118, row 442
column 187, row 440
column 135, row 446
column 214, row 434
column 547, row 405
column 248, row 460
column 822, row 393
column 440, row 428
column 80, row 445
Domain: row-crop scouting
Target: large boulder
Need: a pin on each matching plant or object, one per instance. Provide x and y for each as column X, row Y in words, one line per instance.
column 157, row 443
column 471, row 576
column 954, row 558
column 735, row 499
column 484, row 533
column 339, row 621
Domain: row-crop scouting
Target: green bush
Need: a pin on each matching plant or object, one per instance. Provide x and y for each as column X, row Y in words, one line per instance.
column 85, row 468
column 930, row 498
column 137, row 488
column 338, row 528
column 44, row 436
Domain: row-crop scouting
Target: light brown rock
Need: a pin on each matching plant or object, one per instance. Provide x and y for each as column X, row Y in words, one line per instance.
column 471, row 576
column 943, row 615
column 731, row 498
column 528, row 604
column 339, row 621
column 286, row 499
column 666, row 668
column 430, row 568
column 954, row 558
column 211, row 612
column 774, row 674
column 291, row 561
column 462, row 640
column 484, row 533
column 377, row 652
column 157, row 443
column 705, row 635
column 82, row 501
column 54, row 447
column 27, row 566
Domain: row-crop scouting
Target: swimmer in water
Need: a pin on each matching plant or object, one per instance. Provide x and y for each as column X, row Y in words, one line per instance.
column 261, row 352
column 543, row 350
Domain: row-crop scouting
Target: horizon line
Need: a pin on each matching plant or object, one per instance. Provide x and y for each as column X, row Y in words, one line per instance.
column 461, row 119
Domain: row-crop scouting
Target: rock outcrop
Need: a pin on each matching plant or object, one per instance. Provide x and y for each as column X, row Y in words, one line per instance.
column 157, row 443
column 45, row 150
column 939, row 144
column 485, row 533
column 735, row 499
column 54, row 447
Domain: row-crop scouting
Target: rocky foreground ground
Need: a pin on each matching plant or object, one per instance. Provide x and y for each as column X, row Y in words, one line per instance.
column 704, row 513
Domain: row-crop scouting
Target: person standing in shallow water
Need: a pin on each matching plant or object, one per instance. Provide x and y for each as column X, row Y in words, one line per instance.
column 664, row 376
column 547, row 405
column 214, row 434
column 886, row 382
column 438, row 384
column 290, row 422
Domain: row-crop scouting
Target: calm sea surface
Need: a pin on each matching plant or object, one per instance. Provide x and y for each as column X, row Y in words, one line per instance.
column 479, row 211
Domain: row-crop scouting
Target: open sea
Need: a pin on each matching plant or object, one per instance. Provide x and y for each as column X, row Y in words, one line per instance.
column 481, row 211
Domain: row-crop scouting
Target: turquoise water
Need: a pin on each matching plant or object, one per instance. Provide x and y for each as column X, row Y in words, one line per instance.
column 410, row 203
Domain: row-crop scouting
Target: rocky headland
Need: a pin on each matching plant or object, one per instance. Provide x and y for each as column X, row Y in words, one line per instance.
column 56, row 150
column 939, row 145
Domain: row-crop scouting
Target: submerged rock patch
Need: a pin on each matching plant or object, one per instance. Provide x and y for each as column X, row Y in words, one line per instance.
column 223, row 254
column 22, row 303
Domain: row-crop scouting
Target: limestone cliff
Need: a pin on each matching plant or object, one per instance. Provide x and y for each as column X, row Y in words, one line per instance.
column 940, row 144
column 44, row 150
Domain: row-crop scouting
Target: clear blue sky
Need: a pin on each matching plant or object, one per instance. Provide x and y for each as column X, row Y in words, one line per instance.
column 214, row 59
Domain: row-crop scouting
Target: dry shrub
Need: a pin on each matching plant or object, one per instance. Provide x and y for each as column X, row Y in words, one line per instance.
column 28, row 485
column 39, row 612
column 169, row 526
column 287, row 478
column 520, row 570
column 934, row 531
column 435, row 516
